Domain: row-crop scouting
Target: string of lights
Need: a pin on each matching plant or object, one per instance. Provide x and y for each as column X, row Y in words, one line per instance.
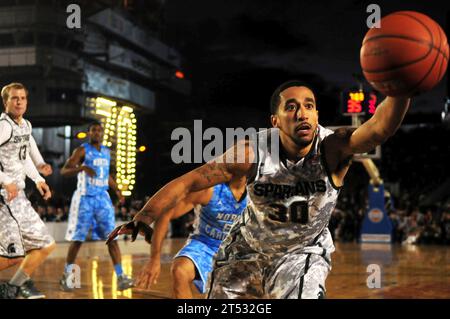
column 120, row 125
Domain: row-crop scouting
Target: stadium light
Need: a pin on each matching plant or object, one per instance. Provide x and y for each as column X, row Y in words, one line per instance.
column 81, row 135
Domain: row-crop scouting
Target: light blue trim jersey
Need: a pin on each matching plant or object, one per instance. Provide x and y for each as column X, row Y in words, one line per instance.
column 214, row 220
column 99, row 161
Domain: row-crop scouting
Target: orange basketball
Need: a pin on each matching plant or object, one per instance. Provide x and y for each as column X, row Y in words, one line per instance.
column 407, row 55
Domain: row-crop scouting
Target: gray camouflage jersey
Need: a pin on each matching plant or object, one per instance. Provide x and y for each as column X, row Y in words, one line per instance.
column 289, row 204
column 15, row 150
column 21, row 229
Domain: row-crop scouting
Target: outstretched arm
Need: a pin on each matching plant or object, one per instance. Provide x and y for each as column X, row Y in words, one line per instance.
column 236, row 162
column 340, row 146
column 220, row 170
column 383, row 124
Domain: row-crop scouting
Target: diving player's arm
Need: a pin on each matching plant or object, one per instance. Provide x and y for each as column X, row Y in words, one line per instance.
column 383, row 124
column 43, row 168
column 220, row 170
column 345, row 142
column 33, row 174
column 231, row 164
column 151, row 271
column 73, row 164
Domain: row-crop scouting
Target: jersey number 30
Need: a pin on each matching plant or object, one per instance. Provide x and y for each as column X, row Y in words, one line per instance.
column 297, row 212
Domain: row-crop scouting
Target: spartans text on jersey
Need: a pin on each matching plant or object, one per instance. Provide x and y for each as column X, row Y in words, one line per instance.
column 283, row 191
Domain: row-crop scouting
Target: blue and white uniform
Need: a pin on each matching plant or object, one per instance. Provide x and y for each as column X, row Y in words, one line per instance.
column 213, row 223
column 91, row 206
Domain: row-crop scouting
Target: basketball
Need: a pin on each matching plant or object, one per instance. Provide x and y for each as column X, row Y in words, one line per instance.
column 407, row 55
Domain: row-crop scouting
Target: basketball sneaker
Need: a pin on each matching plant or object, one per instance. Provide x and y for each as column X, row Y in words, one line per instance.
column 124, row 282
column 64, row 285
column 8, row 291
column 29, row 291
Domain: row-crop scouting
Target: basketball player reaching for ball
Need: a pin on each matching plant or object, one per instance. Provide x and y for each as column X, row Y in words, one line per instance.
column 216, row 209
column 91, row 206
column 281, row 246
column 24, row 237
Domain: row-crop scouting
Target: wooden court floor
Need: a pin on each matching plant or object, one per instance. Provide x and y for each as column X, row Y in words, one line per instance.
column 405, row 271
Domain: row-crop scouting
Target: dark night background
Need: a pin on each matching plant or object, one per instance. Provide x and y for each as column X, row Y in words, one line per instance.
column 237, row 52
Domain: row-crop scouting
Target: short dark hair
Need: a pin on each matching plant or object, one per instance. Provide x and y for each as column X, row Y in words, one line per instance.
column 275, row 99
column 94, row 123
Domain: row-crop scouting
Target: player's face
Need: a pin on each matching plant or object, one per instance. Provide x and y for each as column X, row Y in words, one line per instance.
column 297, row 115
column 16, row 105
column 96, row 134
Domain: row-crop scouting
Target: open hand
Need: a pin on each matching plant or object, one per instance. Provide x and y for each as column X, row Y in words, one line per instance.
column 149, row 274
column 44, row 190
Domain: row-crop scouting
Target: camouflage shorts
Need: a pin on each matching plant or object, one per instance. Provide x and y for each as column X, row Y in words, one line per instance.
column 240, row 272
column 21, row 228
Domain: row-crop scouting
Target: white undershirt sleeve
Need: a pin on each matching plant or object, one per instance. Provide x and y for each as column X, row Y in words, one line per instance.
column 34, row 153
column 32, row 172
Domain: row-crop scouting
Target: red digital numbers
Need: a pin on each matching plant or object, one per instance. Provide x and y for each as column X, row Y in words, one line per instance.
column 359, row 102
column 354, row 106
column 354, row 102
column 372, row 103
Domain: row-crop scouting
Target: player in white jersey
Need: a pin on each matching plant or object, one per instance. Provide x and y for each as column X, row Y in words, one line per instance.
column 281, row 246
column 24, row 237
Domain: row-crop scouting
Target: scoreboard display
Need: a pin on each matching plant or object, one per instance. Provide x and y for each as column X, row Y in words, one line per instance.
column 357, row 102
